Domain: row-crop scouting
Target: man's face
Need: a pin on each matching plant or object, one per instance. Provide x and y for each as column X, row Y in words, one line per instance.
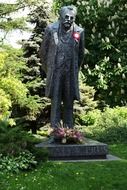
column 67, row 18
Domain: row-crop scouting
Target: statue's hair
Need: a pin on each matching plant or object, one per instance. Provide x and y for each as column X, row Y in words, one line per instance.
column 69, row 7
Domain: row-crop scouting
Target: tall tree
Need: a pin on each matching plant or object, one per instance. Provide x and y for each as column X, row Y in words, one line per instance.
column 34, row 76
column 8, row 16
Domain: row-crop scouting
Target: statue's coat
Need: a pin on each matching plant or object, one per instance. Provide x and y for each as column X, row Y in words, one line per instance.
column 48, row 53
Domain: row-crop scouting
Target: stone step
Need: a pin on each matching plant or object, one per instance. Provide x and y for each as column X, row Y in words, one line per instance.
column 90, row 149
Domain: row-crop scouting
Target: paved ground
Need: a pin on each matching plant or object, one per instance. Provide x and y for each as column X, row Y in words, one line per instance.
column 109, row 158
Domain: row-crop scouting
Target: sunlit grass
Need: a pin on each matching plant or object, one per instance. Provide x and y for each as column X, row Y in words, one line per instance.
column 109, row 175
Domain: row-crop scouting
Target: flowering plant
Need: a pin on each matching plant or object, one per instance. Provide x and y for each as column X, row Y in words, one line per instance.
column 67, row 135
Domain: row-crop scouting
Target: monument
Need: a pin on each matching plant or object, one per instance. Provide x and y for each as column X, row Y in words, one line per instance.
column 62, row 53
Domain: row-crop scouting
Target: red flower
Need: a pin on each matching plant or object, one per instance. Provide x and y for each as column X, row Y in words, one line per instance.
column 76, row 36
column 70, row 135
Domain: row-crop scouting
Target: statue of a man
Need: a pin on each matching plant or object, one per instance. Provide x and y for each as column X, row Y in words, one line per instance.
column 62, row 53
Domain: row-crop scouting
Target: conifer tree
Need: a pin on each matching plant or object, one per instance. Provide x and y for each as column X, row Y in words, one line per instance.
column 34, row 77
column 8, row 16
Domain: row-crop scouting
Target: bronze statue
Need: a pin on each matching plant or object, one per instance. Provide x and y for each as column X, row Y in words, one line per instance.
column 62, row 53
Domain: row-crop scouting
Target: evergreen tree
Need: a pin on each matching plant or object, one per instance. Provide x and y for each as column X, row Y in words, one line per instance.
column 34, row 77
column 8, row 16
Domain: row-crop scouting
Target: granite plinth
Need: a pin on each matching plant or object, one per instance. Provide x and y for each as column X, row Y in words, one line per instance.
column 90, row 149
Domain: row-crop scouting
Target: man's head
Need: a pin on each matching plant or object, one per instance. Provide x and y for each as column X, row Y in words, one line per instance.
column 67, row 16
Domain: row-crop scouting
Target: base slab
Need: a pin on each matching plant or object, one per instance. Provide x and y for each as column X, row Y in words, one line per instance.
column 90, row 149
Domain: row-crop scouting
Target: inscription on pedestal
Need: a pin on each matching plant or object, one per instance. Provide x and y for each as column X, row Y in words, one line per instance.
column 89, row 150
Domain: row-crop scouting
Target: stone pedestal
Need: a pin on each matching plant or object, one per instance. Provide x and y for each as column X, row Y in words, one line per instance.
column 90, row 149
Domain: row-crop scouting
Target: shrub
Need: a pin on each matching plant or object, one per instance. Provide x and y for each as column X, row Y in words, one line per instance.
column 87, row 101
column 15, row 97
column 14, row 141
column 89, row 118
column 109, row 126
column 25, row 161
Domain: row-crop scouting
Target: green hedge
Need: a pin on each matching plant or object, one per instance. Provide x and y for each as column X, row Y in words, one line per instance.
column 109, row 126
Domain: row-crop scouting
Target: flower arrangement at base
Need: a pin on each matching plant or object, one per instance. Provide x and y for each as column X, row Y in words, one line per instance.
column 67, row 135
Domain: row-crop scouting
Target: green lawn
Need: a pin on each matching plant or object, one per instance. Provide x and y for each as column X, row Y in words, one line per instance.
column 109, row 175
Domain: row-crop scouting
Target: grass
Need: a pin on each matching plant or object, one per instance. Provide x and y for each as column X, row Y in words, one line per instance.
column 109, row 175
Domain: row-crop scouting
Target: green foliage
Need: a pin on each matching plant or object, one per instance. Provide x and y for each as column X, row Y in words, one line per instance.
column 5, row 102
column 105, row 39
column 15, row 98
column 11, row 62
column 10, row 66
column 89, row 118
column 33, row 76
column 8, row 22
column 24, row 161
column 109, row 126
column 13, row 139
column 10, row 19
column 87, row 94
column 13, row 24
column 6, row 8
column 15, row 88
column 15, row 143
column 87, row 100
column 33, row 106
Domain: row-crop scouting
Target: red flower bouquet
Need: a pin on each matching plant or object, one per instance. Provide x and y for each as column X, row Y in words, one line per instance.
column 67, row 135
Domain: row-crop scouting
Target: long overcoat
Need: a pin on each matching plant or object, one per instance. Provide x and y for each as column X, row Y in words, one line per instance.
column 48, row 53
